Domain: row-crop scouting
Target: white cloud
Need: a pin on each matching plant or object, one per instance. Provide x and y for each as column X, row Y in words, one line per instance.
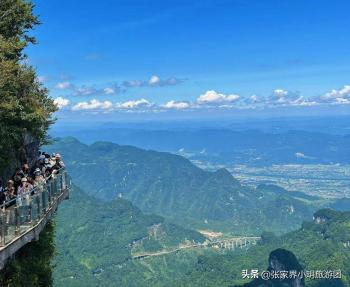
column 64, row 86
column 85, row 91
column 132, row 83
column 93, row 105
column 134, row 104
column 88, row 90
column 176, row 105
column 212, row 97
column 282, row 97
column 154, row 80
column 280, row 93
column 342, row 101
column 109, row 91
column 254, row 99
column 61, row 102
column 341, row 93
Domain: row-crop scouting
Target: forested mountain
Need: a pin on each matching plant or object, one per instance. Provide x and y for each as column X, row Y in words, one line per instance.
column 95, row 245
column 95, row 241
column 173, row 187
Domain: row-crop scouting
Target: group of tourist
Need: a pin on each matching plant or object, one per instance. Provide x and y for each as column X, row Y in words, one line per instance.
column 27, row 180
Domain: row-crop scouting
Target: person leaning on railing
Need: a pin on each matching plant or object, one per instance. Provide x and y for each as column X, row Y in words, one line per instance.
column 10, row 193
column 24, row 183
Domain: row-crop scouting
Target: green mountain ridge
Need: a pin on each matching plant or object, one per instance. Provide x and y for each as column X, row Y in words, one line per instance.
column 95, row 241
column 171, row 186
column 319, row 245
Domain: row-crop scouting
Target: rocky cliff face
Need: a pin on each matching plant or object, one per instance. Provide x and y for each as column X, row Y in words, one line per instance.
column 27, row 153
column 281, row 261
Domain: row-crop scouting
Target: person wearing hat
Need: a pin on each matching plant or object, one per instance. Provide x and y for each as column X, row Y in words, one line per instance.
column 10, row 193
column 39, row 180
column 58, row 162
column 23, row 194
column 25, row 187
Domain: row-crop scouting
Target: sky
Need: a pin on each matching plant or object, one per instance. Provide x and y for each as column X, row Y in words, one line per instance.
column 140, row 59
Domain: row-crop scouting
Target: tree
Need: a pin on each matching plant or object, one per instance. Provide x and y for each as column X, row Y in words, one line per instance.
column 25, row 107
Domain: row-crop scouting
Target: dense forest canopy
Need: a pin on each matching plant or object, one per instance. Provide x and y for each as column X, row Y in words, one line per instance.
column 25, row 106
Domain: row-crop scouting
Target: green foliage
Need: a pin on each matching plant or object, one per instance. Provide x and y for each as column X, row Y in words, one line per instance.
column 25, row 106
column 317, row 246
column 32, row 264
column 95, row 241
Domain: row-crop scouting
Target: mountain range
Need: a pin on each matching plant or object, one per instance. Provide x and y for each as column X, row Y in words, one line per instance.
column 227, row 146
column 173, row 187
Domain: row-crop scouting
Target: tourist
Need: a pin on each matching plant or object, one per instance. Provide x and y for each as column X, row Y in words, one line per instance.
column 25, row 183
column 58, row 162
column 17, row 177
column 25, row 187
column 10, row 193
column 38, row 177
column 25, row 170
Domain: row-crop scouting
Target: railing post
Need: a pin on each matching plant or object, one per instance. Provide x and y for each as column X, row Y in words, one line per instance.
column 17, row 220
column 3, row 222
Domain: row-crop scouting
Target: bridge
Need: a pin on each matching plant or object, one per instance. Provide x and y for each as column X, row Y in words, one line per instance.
column 22, row 222
column 230, row 243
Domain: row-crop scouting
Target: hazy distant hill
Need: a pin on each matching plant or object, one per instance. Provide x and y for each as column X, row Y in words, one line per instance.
column 231, row 146
column 94, row 241
column 172, row 186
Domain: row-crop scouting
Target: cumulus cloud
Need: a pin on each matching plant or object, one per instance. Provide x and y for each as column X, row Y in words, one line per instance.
column 134, row 104
column 280, row 93
column 212, row 97
column 93, row 105
column 61, row 102
column 337, row 97
column 177, row 105
column 281, row 97
column 154, row 81
column 209, row 100
column 341, row 93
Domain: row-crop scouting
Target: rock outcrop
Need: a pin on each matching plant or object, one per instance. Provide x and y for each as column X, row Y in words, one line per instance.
column 280, row 261
column 27, row 153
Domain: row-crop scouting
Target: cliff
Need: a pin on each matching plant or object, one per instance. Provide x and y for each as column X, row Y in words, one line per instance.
column 27, row 153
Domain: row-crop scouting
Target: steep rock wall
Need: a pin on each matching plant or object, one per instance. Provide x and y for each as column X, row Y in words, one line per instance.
column 27, row 153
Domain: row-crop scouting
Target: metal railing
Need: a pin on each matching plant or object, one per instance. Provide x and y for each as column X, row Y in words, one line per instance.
column 24, row 212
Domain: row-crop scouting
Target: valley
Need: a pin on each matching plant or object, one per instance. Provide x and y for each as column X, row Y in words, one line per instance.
column 206, row 219
column 326, row 181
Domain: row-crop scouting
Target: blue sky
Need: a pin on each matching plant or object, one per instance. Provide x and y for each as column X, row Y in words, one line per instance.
column 100, row 57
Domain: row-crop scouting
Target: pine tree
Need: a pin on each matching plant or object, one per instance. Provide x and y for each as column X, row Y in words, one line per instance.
column 25, row 106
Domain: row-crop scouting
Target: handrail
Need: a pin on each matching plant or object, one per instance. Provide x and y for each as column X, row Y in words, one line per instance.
column 31, row 208
column 32, row 191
